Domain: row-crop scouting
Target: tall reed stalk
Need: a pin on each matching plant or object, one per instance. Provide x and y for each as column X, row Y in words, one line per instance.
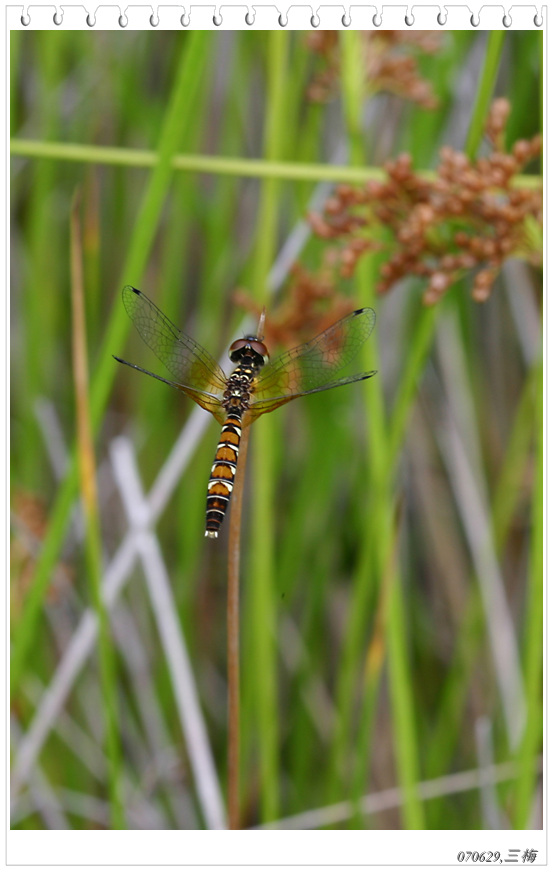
column 233, row 635
column 93, row 542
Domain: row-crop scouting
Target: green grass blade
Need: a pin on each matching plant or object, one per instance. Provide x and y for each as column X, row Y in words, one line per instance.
column 264, row 642
column 93, row 540
column 485, row 91
column 533, row 636
column 381, row 483
column 187, row 78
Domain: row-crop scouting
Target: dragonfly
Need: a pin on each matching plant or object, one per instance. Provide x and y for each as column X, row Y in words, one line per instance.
column 256, row 385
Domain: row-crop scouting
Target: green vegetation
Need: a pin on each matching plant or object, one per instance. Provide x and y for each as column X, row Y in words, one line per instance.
column 392, row 538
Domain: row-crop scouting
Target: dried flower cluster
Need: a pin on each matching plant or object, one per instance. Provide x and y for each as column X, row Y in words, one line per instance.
column 470, row 216
column 309, row 307
column 389, row 62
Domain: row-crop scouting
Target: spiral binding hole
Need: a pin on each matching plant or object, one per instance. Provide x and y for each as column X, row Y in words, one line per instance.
column 217, row 20
column 377, row 19
column 538, row 21
column 123, row 21
column 442, row 17
column 507, row 21
column 154, row 21
column 185, row 19
column 58, row 18
column 25, row 20
column 409, row 20
column 90, row 20
column 474, row 20
column 282, row 20
column 250, row 18
column 315, row 21
column 345, row 20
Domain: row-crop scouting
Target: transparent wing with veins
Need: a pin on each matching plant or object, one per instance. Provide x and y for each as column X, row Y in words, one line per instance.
column 313, row 367
column 197, row 373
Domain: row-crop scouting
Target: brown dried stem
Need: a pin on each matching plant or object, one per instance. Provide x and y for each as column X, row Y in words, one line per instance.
column 233, row 636
column 93, row 545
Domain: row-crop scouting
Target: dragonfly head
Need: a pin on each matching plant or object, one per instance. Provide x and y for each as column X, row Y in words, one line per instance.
column 249, row 346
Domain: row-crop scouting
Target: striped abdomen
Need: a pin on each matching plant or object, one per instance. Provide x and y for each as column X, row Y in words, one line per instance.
column 223, row 471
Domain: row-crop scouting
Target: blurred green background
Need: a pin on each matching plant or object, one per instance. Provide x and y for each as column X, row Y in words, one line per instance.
column 392, row 541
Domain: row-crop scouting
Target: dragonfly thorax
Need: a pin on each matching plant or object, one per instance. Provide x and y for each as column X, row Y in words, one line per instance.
column 238, row 392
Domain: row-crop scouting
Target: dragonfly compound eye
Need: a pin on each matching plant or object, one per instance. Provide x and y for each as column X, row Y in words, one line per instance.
column 248, row 345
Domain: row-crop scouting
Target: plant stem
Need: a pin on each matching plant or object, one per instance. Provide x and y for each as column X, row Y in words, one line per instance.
column 533, row 634
column 484, row 92
column 263, row 549
column 224, row 166
column 233, row 636
column 93, row 545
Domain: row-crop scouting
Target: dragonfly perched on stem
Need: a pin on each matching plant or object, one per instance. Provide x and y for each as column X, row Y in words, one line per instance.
column 254, row 387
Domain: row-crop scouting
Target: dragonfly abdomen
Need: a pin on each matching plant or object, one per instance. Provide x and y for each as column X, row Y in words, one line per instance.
column 223, row 470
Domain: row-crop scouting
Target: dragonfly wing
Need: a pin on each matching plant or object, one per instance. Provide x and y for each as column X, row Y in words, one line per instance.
column 313, row 366
column 259, row 407
column 206, row 400
column 186, row 359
